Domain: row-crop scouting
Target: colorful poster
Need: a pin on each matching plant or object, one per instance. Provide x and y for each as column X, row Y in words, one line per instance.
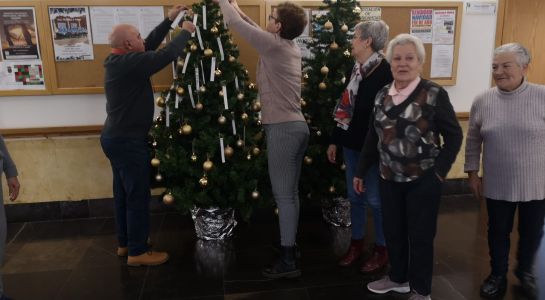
column 71, row 35
column 443, row 26
column 421, row 24
column 18, row 33
column 21, row 75
column 371, row 14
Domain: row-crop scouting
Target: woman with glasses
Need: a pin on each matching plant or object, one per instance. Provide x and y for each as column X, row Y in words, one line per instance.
column 279, row 82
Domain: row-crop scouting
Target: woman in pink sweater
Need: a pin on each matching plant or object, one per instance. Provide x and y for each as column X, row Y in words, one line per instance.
column 279, row 82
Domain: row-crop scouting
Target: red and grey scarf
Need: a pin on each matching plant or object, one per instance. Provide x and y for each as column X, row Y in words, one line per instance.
column 345, row 106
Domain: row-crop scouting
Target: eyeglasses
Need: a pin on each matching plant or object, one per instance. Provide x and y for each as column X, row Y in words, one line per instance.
column 272, row 18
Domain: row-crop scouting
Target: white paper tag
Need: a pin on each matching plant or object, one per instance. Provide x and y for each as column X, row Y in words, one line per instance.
column 234, row 126
column 185, row 62
column 199, row 38
column 212, row 69
column 236, row 83
column 167, row 115
column 191, row 95
column 221, row 49
column 197, row 77
column 178, row 100
column 202, row 69
column 225, row 103
column 222, row 150
column 195, row 18
column 178, row 19
column 204, row 16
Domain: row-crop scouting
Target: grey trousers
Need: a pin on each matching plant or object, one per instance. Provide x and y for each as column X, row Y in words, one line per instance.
column 3, row 232
column 286, row 145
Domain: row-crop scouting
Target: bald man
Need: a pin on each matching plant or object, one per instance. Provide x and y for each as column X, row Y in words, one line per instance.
column 129, row 108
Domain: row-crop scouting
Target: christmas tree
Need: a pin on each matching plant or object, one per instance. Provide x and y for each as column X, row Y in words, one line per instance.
column 324, row 77
column 208, row 140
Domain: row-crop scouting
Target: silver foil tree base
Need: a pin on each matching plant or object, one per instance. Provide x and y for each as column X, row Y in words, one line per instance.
column 214, row 258
column 337, row 212
column 213, row 223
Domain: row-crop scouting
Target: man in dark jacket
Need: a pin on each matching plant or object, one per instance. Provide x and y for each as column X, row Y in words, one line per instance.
column 129, row 105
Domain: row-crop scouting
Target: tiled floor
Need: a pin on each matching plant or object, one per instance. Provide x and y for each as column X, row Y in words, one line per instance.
column 75, row 259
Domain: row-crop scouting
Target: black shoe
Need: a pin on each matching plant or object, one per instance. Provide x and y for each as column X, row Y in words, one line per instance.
column 493, row 286
column 527, row 285
column 283, row 267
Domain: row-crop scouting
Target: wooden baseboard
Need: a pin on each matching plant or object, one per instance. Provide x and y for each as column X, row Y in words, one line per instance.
column 52, row 131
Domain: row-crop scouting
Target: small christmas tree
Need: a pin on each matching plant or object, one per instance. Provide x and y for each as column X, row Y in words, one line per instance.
column 208, row 140
column 324, row 77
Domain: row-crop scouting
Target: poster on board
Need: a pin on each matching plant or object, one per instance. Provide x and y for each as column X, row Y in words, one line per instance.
column 71, row 33
column 21, row 75
column 18, row 33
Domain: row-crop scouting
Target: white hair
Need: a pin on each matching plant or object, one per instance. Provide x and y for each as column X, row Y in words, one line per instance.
column 522, row 54
column 403, row 39
column 376, row 30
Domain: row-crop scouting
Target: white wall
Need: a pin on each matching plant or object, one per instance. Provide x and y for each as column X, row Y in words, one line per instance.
column 475, row 55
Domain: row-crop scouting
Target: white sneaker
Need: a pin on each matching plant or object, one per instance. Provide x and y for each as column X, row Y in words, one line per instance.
column 385, row 285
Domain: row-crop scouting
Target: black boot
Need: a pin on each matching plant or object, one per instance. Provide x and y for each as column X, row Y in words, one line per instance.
column 527, row 284
column 493, row 286
column 285, row 266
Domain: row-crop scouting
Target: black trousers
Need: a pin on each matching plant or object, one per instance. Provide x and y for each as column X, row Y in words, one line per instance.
column 500, row 224
column 409, row 211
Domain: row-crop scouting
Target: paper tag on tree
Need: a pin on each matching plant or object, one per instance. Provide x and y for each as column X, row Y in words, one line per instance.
column 178, row 19
column 204, row 16
column 236, row 83
column 167, row 115
column 212, row 69
column 225, row 102
column 222, row 149
column 234, row 126
column 178, row 100
column 186, row 62
column 195, row 18
column 191, row 95
column 197, row 77
column 221, row 49
column 202, row 69
column 199, row 38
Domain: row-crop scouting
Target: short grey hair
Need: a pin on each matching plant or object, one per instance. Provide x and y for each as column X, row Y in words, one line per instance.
column 403, row 39
column 376, row 30
column 522, row 54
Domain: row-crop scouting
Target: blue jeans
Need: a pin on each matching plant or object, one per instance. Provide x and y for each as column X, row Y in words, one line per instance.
column 359, row 203
column 130, row 160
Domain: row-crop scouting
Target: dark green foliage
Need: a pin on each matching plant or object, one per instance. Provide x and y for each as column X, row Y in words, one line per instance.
column 230, row 184
column 322, row 180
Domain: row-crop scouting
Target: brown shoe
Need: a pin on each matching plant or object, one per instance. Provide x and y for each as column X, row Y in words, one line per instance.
column 150, row 258
column 122, row 251
column 377, row 261
column 354, row 252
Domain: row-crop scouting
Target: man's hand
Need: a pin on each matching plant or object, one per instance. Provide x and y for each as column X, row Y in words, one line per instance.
column 174, row 11
column 13, row 186
column 332, row 153
column 475, row 185
column 187, row 25
column 358, row 184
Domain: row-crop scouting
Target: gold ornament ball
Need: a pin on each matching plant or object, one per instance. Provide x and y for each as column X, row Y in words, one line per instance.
column 343, row 167
column 303, row 102
column 229, row 151
column 276, row 211
column 180, row 91
column 258, row 122
column 332, row 189
column 240, row 96
column 158, row 177
column 256, row 151
column 222, row 120
column 344, row 28
column 308, row 160
column 214, row 30
column 322, row 86
column 199, row 106
column 168, row 199
column 217, row 72
column 247, row 72
column 324, row 70
column 334, row 46
column 180, row 63
column 251, row 86
column 186, row 129
column 305, row 76
column 357, row 9
column 208, row 52
column 193, row 47
column 240, row 143
column 193, row 157
column 343, row 80
column 255, row 194
column 203, row 181
column 249, row 156
column 220, row 93
column 244, row 116
column 155, row 162
column 231, row 59
column 160, row 101
column 328, row 25
column 318, row 133
column 256, row 106
column 154, row 144
column 208, row 165
column 346, row 53
column 202, row 89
